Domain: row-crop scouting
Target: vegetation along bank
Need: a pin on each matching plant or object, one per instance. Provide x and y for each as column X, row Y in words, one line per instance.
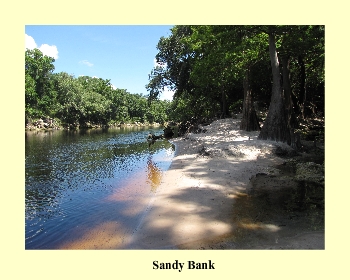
column 272, row 75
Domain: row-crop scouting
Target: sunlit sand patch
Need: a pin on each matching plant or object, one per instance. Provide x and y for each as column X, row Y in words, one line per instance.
column 107, row 235
column 257, row 226
column 204, row 195
column 196, row 227
column 237, row 194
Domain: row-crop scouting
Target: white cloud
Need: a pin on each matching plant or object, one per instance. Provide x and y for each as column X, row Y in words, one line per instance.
column 49, row 50
column 85, row 62
column 44, row 48
column 30, row 43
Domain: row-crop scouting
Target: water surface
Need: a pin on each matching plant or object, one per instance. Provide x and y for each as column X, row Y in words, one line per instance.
column 88, row 189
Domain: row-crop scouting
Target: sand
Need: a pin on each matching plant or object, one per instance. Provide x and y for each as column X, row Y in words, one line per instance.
column 204, row 200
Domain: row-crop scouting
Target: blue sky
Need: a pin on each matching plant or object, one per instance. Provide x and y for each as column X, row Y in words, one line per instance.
column 123, row 54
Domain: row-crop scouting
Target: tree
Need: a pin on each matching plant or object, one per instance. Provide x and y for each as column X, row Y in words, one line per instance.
column 192, row 62
column 30, row 97
column 277, row 124
column 250, row 120
column 294, row 43
column 173, row 64
column 253, row 46
column 305, row 47
column 69, row 98
column 39, row 94
column 213, row 72
column 82, row 100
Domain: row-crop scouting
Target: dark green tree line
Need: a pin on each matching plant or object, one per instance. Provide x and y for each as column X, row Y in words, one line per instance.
column 83, row 100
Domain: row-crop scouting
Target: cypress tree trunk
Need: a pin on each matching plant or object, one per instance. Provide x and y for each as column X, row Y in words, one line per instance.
column 287, row 89
column 249, row 119
column 224, row 105
column 302, row 87
column 276, row 125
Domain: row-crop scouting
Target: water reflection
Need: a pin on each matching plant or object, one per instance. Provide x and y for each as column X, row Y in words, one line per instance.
column 70, row 173
column 154, row 174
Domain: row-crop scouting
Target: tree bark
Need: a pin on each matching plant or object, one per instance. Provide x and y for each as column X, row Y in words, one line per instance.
column 224, row 105
column 249, row 119
column 302, row 87
column 276, row 125
column 287, row 90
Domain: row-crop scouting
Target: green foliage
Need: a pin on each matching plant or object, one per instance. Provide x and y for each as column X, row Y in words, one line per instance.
column 174, row 61
column 206, row 65
column 237, row 106
column 83, row 100
column 39, row 93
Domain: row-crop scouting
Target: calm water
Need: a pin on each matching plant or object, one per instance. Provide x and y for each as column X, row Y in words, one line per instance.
column 89, row 189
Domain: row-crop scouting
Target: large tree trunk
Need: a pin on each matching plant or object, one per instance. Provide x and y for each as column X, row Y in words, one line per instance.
column 249, row 119
column 287, row 89
column 224, row 105
column 289, row 112
column 302, row 88
column 276, row 126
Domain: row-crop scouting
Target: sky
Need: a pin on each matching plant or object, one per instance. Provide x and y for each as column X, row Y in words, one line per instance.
column 123, row 54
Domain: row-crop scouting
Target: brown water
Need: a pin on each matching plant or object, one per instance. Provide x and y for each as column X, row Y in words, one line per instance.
column 90, row 189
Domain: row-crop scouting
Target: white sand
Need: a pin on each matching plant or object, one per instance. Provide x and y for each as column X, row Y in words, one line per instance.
column 194, row 203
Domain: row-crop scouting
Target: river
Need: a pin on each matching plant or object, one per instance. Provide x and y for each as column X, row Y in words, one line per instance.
column 89, row 189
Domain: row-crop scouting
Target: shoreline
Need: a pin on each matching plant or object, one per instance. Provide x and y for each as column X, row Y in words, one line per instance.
column 204, row 198
column 95, row 127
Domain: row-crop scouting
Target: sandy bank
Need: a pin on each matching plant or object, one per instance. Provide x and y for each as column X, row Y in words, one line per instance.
column 204, row 201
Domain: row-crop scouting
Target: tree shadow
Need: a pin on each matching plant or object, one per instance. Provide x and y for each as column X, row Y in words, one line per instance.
column 220, row 198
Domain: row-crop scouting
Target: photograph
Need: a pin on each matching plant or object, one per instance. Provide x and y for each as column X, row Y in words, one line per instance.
column 174, row 137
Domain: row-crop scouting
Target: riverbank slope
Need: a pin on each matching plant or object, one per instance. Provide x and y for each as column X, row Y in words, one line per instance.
column 227, row 190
